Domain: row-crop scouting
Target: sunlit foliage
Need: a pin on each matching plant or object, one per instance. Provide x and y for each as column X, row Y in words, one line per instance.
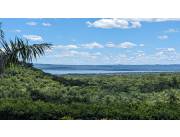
column 28, row 93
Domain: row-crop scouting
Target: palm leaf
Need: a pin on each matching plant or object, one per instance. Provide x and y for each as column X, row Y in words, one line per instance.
column 19, row 50
column 1, row 32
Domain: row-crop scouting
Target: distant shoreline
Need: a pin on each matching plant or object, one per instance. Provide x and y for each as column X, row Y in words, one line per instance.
column 107, row 69
column 113, row 74
column 109, row 64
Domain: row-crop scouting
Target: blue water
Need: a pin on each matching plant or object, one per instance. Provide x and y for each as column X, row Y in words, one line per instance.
column 105, row 69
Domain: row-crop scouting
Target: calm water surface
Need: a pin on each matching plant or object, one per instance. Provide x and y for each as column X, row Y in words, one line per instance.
column 105, row 69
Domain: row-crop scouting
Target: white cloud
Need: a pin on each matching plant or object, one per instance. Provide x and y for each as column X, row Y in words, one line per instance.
column 141, row 45
column 95, row 45
column 166, row 49
column 46, row 24
column 68, row 53
column 140, row 53
column 110, row 45
column 65, row 47
column 161, row 56
column 92, row 45
column 163, row 37
column 82, row 56
column 154, row 19
column 31, row 23
column 78, row 54
column 49, row 50
column 97, row 53
column 166, row 54
column 172, row 30
column 18, row 30
column 33, row 37
column 135, row 24
column 124, row 45
column 114, row 23
column 125, row 23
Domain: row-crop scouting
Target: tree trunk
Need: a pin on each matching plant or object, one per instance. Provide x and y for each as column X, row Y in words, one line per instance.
column 2, row 64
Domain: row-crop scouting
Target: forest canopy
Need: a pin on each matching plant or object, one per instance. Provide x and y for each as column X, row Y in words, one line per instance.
column 29, row 93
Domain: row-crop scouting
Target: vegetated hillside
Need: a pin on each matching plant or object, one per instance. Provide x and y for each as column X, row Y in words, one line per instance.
column 28, row 93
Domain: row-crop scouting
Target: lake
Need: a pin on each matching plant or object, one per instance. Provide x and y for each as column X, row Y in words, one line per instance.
column 105, row 69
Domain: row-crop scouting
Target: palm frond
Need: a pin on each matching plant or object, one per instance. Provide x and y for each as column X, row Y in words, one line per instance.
column 19, row 50
column 25, row 52
column 1, row 32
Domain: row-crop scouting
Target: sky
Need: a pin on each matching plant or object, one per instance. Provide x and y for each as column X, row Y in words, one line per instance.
column 97, row 41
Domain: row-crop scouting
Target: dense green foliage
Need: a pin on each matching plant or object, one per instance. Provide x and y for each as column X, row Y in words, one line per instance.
column 28, row 93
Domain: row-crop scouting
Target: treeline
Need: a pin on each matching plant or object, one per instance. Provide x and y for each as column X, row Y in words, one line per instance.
column 28, row 93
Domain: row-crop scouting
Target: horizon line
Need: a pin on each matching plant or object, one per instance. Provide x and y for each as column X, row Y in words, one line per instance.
column 101, row 64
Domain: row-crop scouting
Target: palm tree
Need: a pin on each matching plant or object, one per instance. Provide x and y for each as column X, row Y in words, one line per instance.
column 18, row 51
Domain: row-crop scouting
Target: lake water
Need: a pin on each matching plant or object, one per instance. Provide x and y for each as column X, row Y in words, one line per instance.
column 105, row 69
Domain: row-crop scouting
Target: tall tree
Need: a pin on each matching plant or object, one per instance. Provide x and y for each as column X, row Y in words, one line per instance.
column 18, row 50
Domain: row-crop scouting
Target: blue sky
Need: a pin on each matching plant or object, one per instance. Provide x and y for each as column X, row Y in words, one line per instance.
column 101, row 41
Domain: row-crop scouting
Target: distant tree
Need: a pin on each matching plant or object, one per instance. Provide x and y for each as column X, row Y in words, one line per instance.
column 18, row 51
